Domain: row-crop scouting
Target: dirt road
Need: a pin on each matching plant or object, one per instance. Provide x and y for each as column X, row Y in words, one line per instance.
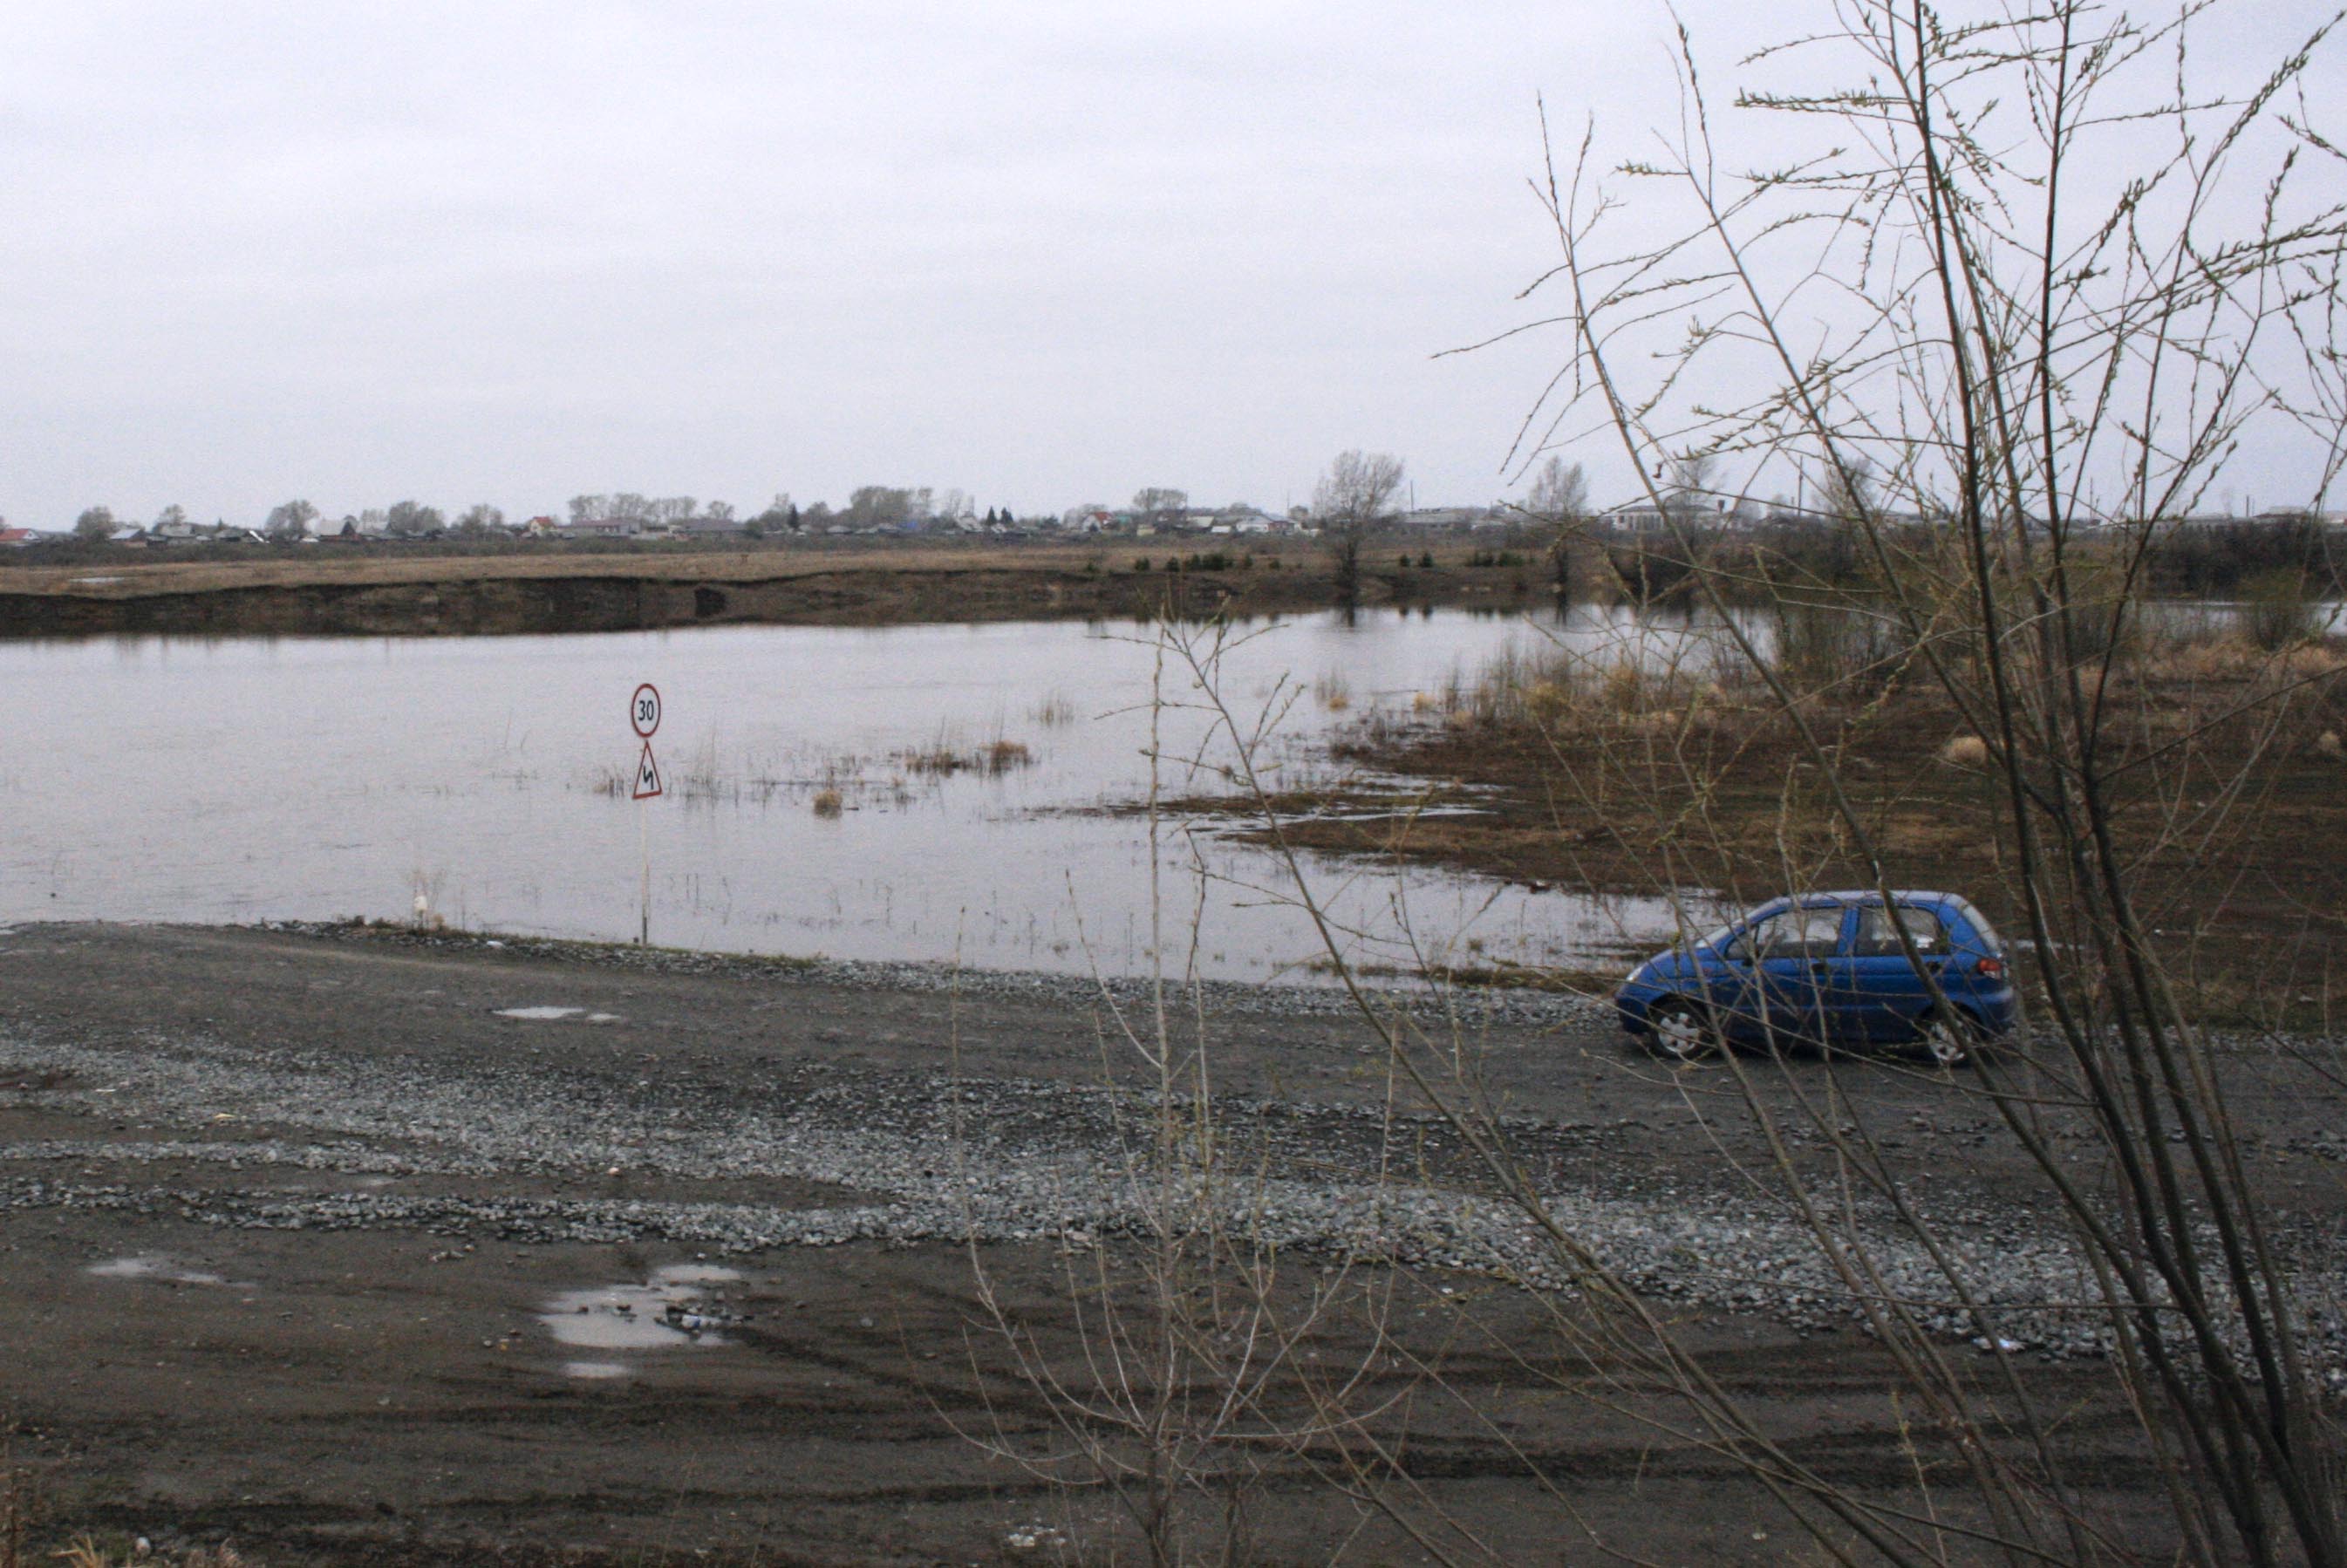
column 363, row 1246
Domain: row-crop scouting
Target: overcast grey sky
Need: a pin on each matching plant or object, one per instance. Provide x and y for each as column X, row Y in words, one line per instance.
column 1046, row 253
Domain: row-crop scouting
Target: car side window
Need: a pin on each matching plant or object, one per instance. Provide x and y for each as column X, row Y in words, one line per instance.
column 1877, row 939
column 1793, row 934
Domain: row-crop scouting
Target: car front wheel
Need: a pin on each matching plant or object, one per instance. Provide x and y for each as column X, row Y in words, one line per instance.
column 1952, row 1038
column 1679, row 1031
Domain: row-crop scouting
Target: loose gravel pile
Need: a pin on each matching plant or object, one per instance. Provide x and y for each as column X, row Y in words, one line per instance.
column 921, row 1159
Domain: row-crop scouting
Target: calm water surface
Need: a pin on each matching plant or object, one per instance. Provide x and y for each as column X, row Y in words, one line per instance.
column 239, row 780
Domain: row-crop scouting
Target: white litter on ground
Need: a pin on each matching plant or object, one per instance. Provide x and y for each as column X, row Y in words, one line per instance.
column 593, row 1369
column 555, row 1014
column 161, row 1269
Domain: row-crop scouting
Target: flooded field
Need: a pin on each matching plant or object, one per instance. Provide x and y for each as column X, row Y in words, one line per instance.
column 916, row 793
column 906, row 792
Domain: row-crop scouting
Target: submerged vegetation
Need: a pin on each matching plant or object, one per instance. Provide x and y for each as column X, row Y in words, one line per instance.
column 829, row 781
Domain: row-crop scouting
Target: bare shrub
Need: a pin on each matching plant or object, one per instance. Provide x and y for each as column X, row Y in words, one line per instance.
column 2017, row 216
column 2277, row 610
column 1175, row 1374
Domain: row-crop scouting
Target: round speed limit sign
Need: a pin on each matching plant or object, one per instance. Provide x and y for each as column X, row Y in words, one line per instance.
column 643, row 710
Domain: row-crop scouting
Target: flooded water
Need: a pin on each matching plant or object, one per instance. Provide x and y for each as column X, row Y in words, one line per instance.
column 916, row 793
column 670, row 1309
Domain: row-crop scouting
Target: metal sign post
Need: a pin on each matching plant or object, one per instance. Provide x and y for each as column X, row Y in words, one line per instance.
column 644, row 717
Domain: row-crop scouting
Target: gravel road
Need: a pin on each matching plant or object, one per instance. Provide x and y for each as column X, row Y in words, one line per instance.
column 172, row 1099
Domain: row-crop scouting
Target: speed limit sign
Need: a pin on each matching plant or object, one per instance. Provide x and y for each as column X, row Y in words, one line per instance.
column 644, row 709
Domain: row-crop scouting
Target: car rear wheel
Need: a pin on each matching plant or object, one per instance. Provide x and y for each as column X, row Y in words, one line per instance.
column 1950, row 1038
column 1679, row 1030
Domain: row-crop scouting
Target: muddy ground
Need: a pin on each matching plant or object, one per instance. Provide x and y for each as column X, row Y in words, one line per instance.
column 287, row 1221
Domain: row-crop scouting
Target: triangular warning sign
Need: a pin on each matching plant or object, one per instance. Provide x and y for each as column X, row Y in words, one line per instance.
column 648, row 783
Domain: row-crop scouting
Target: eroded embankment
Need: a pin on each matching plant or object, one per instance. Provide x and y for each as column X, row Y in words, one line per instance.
column 473, row 607
column 155, row 601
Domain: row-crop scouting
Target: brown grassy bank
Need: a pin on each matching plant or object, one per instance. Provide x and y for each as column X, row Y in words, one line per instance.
column 2232, row 801
column 383, row 592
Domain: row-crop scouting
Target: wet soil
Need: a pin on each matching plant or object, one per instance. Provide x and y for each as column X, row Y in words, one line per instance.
column 386, row 1390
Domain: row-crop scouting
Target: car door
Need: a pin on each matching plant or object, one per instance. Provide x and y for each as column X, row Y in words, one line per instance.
column 1792, row 956
column 1878, row 992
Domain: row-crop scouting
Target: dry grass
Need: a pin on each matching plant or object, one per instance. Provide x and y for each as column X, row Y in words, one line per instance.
column 1055, row 711
column 1966, row 751
column 1333, row 691
column 87, row 1553
column 1553, row 688
column 827, row 802
column 942, row 758
column 2235, row 658
column 15, row 1509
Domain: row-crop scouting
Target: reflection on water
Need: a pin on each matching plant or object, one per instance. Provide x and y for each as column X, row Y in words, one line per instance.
column 672, row 1309
column 922, row 792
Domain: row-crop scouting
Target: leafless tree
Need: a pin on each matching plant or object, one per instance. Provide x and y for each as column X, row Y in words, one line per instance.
column 1352, row 501
column 885, row 506
column 1158, row 504
column 291, row 520
column 1558, row 505
column 412, row 518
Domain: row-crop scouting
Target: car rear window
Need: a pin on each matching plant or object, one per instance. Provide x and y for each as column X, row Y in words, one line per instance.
column 1979, row 923
column 1878, row 939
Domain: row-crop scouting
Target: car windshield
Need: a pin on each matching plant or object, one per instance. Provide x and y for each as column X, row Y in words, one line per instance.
column 1715, row 940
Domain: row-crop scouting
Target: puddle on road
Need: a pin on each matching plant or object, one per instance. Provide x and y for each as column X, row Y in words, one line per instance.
column 673, row 1309
column 150, row 1267
column 555, row 1014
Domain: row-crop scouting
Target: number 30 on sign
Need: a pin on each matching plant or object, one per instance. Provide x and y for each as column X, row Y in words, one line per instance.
column 644, row 715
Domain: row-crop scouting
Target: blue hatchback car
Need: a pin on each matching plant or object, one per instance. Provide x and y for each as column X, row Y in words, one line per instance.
column 1828, row 969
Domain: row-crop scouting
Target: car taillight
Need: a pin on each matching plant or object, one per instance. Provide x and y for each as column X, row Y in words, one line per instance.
column 1989, row 969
